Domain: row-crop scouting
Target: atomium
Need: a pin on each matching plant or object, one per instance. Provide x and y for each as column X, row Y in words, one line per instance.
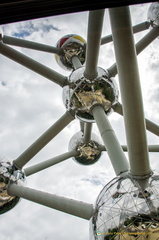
column 89, row 152
column 9, row 174
column 128, row 206
column 127, row 210
column 82, row 94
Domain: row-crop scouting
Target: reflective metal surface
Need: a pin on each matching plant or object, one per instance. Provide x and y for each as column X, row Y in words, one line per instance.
column 89, row 152
column 127, row 208
column 8, row 174
column 72, row 45
column 82, row 94
column 153, row 14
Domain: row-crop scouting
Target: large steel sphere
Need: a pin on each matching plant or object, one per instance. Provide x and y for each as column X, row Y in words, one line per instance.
column 153, row 14
column 82, row 94
column 8, row 174
column 89, row 152
column 127, row 210
column 72, row 45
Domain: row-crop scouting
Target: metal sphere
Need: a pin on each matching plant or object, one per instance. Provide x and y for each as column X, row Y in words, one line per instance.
column 89, row 152
column 72, row 45
column 153, row 14
column 9, row 174
column 127, row 210
column 82, row 94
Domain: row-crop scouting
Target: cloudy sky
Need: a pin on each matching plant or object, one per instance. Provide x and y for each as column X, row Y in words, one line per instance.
column 30, row 104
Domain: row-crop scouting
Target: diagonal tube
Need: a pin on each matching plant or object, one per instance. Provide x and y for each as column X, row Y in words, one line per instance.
column 151, row 148
column 31, row 45
column 44, row 139
column 50, row 162
column 130, row 90
column 137, row 28
column 115, row 152
column 150, row 126
column 95, row 23
column 66, row 205
column 147, row 39
column 140, row 46
column 33, row 65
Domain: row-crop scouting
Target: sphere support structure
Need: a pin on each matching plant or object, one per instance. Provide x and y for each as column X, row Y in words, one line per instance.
column 130, row 87
column 90, row 95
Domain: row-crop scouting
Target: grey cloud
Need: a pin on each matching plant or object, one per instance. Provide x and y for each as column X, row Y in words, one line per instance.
column 25, row 32
column 96, row 180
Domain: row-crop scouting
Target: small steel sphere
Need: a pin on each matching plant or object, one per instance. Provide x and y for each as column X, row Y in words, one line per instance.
column 127, row 210
column 89, row 152
column 72, row 45
column 153, row 14
column 9, row 174
column 82, row 94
